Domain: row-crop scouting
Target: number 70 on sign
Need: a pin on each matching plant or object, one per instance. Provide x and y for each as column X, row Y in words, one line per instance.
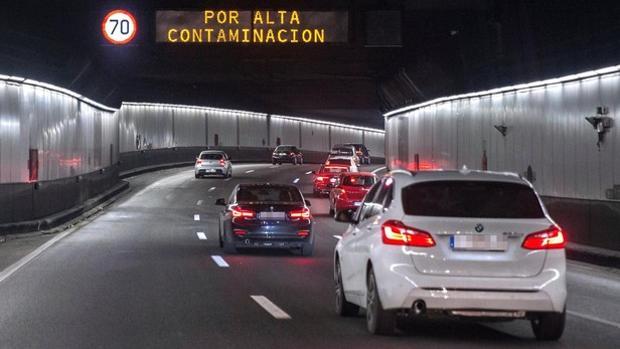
column 119, row 27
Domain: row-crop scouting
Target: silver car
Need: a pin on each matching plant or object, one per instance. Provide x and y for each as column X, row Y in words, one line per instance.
column 213, row 162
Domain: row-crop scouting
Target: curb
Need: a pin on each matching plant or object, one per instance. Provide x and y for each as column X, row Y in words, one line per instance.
column 593, row 255
column 59, row 218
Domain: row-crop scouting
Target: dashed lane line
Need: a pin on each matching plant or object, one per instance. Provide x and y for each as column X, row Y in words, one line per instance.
column 249, row 171
column 199, row 202
column 211, row 189
column 196, row 217
column 296, row 180
column 337, row 237
column 309, row 172
column 220, row 261
column 271, row 308
column 201, row 235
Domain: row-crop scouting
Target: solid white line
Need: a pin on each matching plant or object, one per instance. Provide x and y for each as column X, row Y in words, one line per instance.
column 249, row 171
column 32, row 255
column 211, row 189
column 201, row 235
column 220, row 261
column 337, row 237
column 309, row 172
column 379, row 169
column 295, row 180
column 271, row 308
column 199, row 202
column 196, row 217
column 594, row 318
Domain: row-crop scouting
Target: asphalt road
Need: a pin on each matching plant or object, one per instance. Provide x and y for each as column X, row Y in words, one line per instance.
column 140, row 276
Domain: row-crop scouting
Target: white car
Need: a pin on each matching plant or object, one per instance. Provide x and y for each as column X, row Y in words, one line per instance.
column 213, row 162
column 345, row 150
column 466, row 244
column 348, row 161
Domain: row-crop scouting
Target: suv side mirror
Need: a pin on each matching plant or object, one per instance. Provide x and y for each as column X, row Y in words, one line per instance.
column 307, row 202
column 220, row 202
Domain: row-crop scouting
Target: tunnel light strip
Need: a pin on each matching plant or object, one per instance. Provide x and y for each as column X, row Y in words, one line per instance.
column 195, row 107
column 30, row 82
column 517, row 88
column 328, row 123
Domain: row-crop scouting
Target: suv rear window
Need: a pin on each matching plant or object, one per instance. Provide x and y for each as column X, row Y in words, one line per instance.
column 211, row 156
column 473, row 199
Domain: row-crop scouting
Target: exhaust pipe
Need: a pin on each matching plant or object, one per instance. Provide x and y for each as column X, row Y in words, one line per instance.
column 419, row 307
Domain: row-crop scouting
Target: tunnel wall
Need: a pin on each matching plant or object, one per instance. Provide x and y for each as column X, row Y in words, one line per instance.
column 152, row 134
column 546, row 133
column 59, row 150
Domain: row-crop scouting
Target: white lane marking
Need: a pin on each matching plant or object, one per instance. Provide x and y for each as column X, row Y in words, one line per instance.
column 227, row 179
column 379, row 169
column 220, row 261
column 32, row 255
column 199, row 202
column 295, row 180
column 337, row 237
column 211, row 189
column 271, row 308
column 201, row 235
column 249, row 171
column 169, row 196
column 196, row 217
column 273, row 166
column 309, row 172
column 594, row 318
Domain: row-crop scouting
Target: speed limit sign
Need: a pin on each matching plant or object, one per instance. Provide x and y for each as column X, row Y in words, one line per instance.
column 119, row 27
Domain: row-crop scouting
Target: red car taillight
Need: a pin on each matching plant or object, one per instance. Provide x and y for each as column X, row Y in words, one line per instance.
column 303, row 212
column 222, row 162
column 198, row 161
column 550, row 238
column 240, row 212
column 394, row 232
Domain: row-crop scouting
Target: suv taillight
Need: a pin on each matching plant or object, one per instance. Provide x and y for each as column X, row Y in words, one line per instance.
column 303, row 212
column 222, row 162
column 550, row 238
column 198, row 161
column 394, row 232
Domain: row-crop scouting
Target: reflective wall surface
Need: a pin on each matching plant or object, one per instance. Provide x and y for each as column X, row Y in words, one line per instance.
column 49, row 133
column 547, row 138
column 155, row 126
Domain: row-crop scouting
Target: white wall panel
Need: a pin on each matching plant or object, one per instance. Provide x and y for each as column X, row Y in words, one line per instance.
column 287, row 131
column 314, row 136
column 253, row 130
column 70, row 134
column 546, row 130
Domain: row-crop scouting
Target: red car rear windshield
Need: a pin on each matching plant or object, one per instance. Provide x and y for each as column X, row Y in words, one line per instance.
column 358, row 181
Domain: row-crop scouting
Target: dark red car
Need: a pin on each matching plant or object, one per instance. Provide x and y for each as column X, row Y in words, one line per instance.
column 326, row 178
column 349, row 193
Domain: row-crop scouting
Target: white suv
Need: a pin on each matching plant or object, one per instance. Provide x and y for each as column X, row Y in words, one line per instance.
column 465, row 244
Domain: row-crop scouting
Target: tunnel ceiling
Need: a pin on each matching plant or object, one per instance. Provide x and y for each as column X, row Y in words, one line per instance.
column 448, row 47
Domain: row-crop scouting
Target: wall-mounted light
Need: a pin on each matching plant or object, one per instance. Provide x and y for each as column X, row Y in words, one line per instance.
column 601, row 123
column 502, row 129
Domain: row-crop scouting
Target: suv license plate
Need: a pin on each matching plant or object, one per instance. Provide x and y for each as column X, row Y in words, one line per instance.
column 479, row 242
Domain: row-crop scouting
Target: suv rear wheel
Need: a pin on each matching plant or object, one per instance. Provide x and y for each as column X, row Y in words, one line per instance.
column 378, row 320
column 549, row 326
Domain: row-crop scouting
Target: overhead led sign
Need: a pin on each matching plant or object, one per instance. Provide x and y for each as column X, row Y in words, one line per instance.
column 258, row 27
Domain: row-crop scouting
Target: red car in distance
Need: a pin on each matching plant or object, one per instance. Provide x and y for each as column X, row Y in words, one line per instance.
column 326, row 178
column 349, row 193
